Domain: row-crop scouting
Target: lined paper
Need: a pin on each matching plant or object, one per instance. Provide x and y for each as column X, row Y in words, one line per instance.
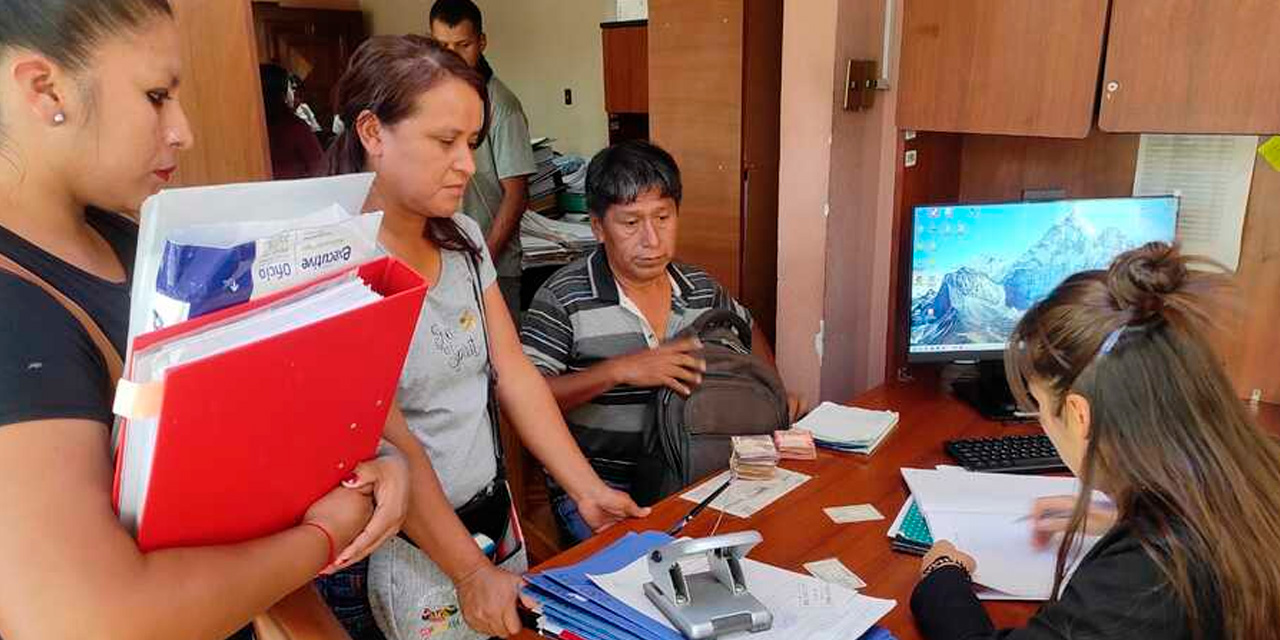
column 1212, row 175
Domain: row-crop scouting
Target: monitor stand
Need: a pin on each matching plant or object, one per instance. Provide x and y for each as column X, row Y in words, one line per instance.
column 983, row 385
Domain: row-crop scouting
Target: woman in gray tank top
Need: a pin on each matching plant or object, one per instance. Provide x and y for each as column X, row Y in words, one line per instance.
column 413, row 113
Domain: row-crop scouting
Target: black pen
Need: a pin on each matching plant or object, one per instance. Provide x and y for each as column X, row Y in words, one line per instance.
column 693, row 513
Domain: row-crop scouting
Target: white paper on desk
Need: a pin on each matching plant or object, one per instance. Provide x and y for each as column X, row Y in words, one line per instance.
column 744, row 498
column 984, row 515
column 802, row 606
column 838, row 423
column 174, row 209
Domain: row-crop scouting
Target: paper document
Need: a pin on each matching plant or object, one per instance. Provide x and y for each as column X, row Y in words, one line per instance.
column 1212, row 175
column 984, row 515
column 853, row 513
column 745, row 497
column 802, row 606
column 174, row 209
column 834, row 572
column 848, row 428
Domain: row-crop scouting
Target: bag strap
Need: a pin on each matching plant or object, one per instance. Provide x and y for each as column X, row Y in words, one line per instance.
column 490, row 371
column 112, row 359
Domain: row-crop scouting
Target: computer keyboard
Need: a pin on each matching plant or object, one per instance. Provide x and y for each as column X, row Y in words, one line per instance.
column 1007, row 454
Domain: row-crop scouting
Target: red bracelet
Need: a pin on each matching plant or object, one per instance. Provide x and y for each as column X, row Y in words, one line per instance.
column 328, row 537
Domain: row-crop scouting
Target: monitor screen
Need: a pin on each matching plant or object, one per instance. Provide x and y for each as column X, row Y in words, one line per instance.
column 975, row 269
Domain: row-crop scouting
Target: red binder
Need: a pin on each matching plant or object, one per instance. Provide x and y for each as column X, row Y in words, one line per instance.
column 250, row 438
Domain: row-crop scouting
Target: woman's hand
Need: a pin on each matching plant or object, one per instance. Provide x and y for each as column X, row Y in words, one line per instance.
column 604, row 507
column 943, row 548
column 488, row 600
column 386, row 478
column 342, row 513
column 1050, row 517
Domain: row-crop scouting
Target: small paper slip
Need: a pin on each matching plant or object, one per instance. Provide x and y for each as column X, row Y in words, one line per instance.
column 848, row 428
column 743, row 499
column 853, row 513
column 833, row 571
column 795, row 444
column 1271, row 151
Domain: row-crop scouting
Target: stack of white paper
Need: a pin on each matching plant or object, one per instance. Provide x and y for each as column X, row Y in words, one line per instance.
column 802, row 606
column 554, row 242
column 986, row 516
column 309, row 306
column 851, row 429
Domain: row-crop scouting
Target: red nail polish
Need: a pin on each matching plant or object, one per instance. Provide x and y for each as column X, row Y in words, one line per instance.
column 351, row 479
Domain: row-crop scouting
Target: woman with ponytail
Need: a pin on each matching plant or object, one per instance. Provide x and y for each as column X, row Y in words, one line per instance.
column 1120, row 366
column 413, row 113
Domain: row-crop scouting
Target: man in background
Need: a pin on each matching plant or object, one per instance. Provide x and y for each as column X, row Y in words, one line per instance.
column 499, row 190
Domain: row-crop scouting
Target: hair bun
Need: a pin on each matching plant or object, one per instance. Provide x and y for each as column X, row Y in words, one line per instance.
column 1140, row 279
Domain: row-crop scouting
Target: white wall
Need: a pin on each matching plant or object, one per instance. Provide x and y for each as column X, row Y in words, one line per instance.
column 538, row 48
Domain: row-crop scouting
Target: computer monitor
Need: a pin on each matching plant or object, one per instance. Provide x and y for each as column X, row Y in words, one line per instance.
column 976, row 268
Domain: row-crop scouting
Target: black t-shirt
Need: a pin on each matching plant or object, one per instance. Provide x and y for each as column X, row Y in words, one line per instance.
column 49, row 367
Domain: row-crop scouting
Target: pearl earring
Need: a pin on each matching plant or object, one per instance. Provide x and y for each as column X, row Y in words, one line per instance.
column 59, row 117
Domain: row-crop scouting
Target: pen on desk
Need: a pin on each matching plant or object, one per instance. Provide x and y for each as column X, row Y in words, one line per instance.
column 693, row 513
column 1059, row 514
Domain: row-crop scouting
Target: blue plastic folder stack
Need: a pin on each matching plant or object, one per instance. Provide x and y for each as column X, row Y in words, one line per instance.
column 575, row 608
column 572, row 602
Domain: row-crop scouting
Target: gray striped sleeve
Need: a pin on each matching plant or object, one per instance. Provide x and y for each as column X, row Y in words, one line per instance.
column 547, row 334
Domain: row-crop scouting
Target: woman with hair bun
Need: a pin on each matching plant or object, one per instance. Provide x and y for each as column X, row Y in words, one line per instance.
column 1120, row 365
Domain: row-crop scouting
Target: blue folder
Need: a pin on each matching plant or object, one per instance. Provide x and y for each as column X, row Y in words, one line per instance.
column 571, row 600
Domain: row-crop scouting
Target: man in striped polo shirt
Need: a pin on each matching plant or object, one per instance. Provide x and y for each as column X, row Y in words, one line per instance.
column 601, row 329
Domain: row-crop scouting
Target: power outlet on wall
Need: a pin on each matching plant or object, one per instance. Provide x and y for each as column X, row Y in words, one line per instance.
column 568, row 97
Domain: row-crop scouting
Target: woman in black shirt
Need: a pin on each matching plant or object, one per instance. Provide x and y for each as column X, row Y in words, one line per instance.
column 1130, row 391
column 90, row 124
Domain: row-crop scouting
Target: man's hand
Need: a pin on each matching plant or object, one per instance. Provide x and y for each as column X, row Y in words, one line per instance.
column 604, row 507
column 674, row 364
column 797, row 406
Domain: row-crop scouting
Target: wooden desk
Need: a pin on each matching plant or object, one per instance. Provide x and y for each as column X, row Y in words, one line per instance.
column 796, row 531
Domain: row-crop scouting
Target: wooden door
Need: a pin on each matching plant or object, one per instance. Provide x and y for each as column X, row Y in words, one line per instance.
column 626, row 67
column 695, row 111
column 1192, row 66
column 1018, row 67
column 314, row 44
column 221, row 94
column 761, row 140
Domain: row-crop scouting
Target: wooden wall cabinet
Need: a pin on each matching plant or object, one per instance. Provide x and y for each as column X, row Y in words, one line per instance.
column 1192, row 66
column 314, row 44
column 1032, row 67
column 626, row 66
column 1017, row 67
column 715, row 78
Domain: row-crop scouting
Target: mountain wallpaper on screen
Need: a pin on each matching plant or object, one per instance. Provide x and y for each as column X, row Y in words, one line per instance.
column 982, row 301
